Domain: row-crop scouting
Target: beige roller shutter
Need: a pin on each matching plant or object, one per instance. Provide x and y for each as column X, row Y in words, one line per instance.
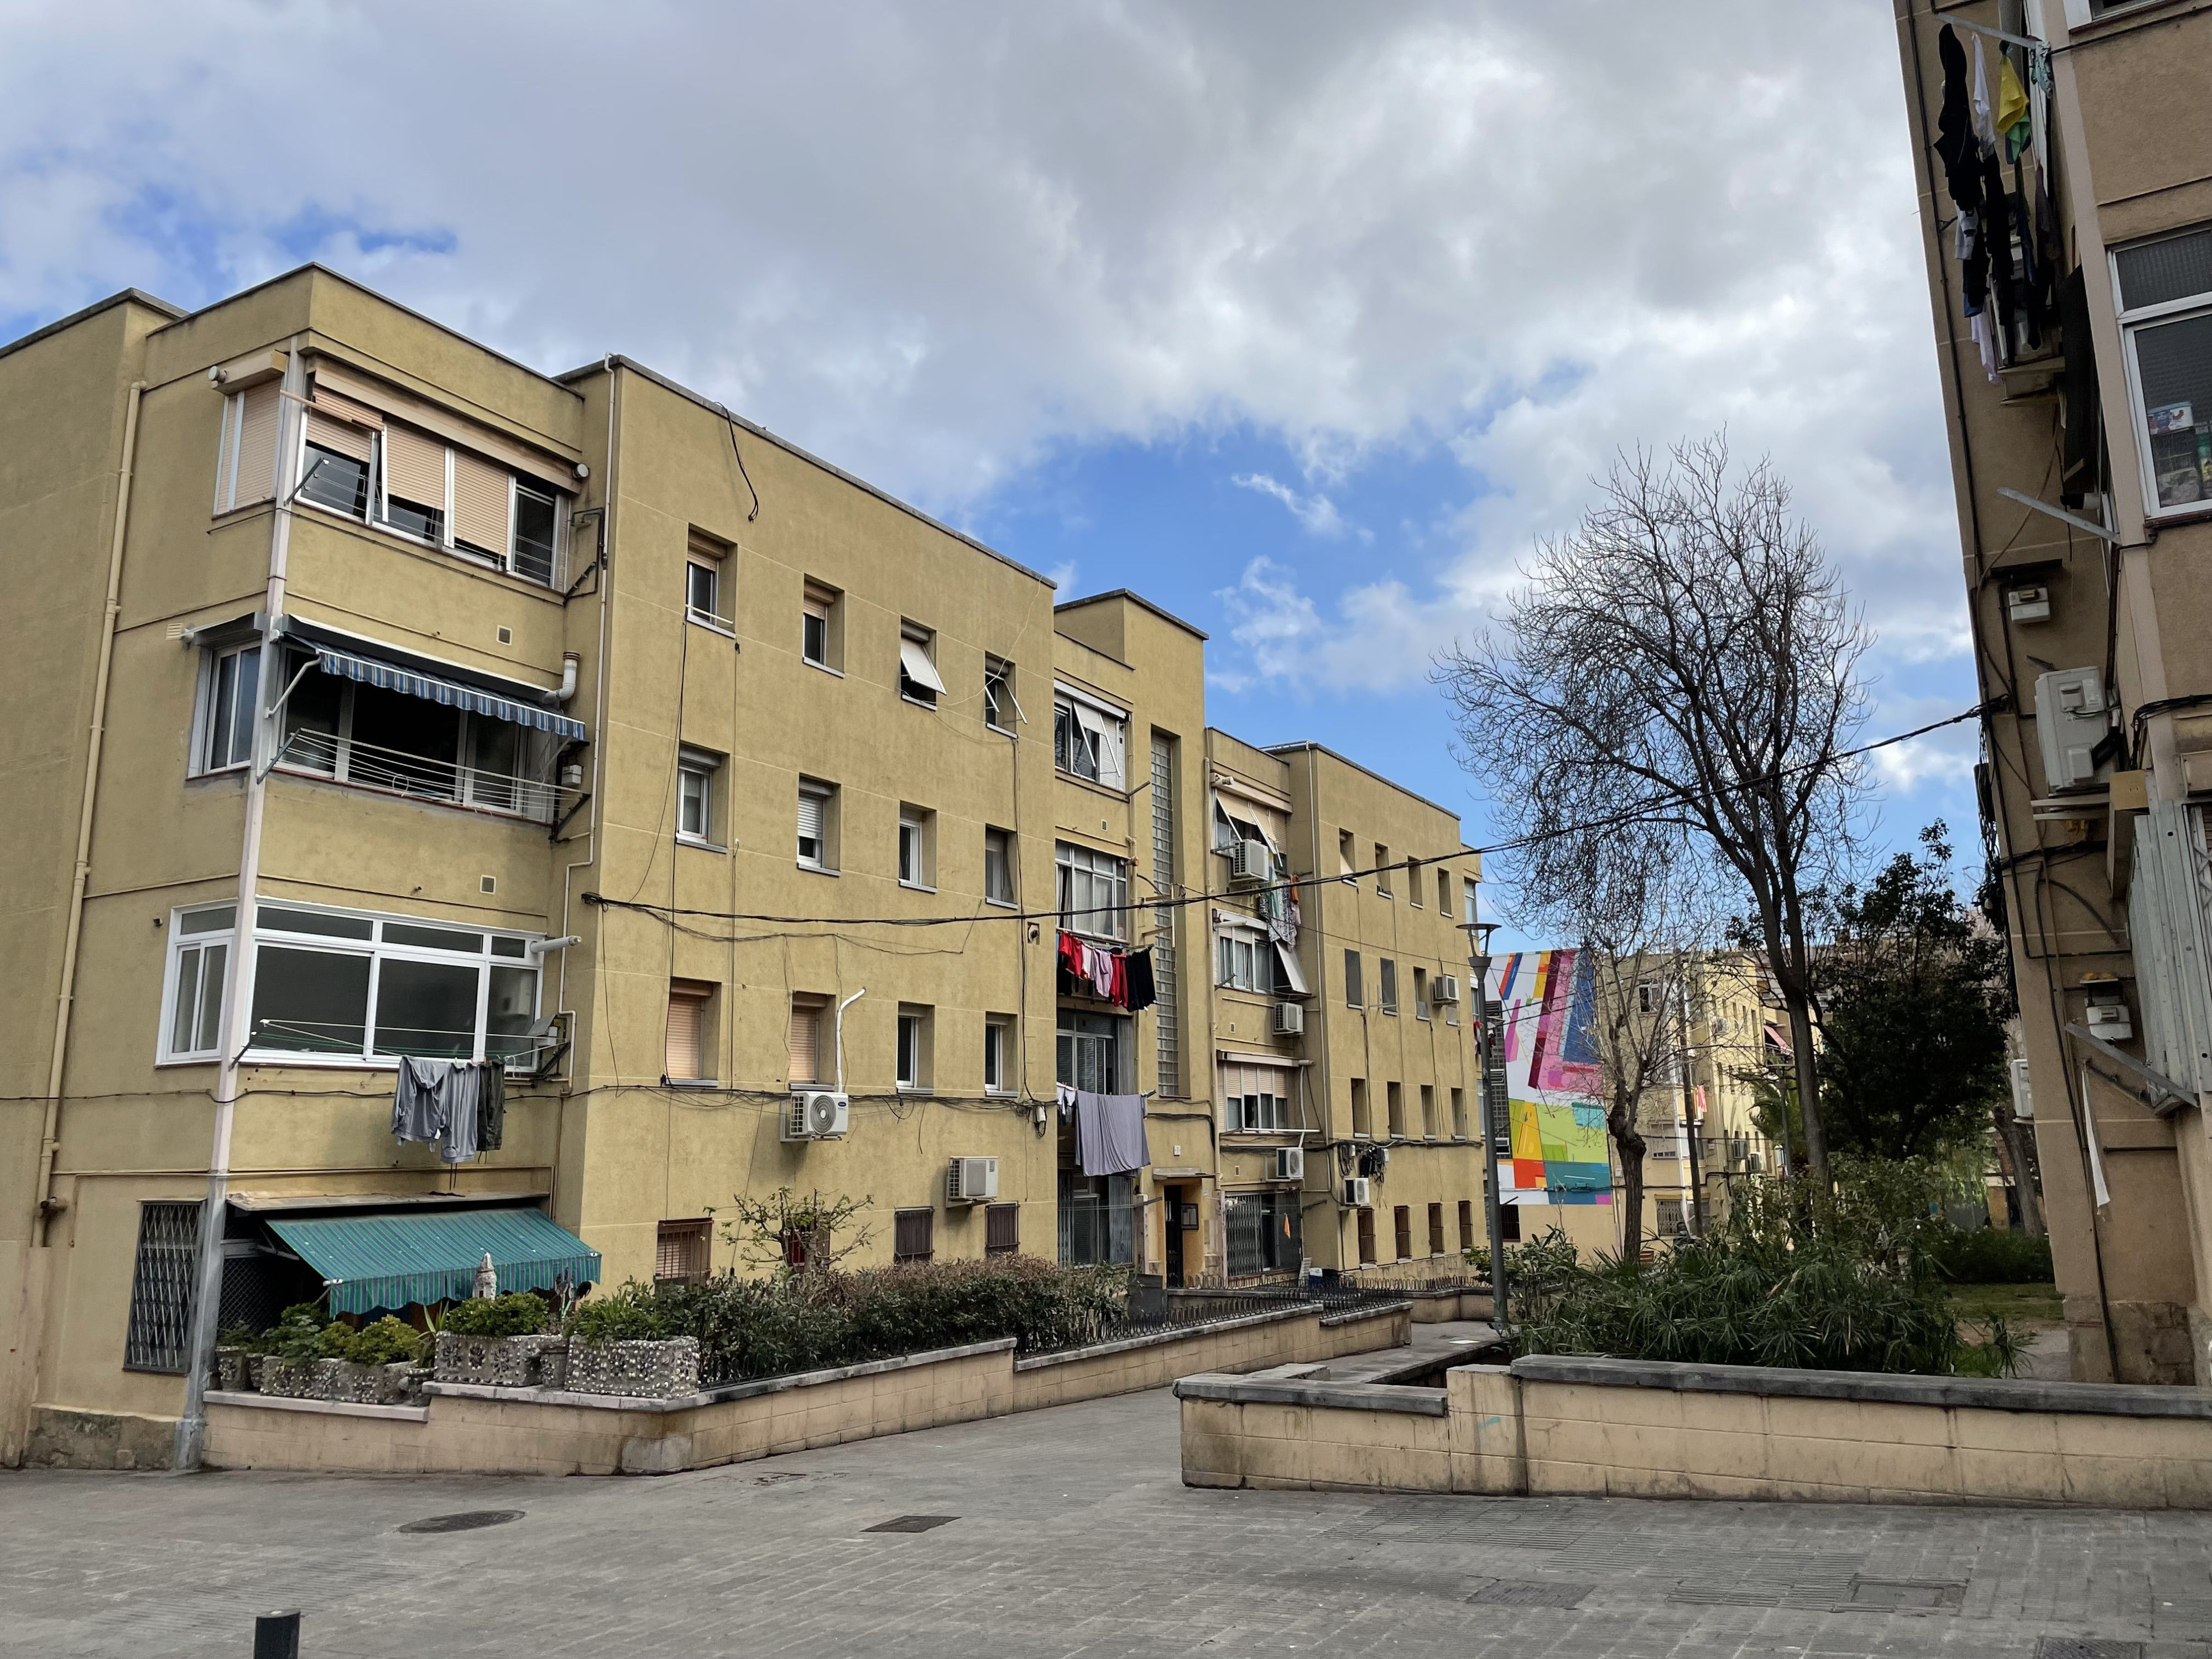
column 414, row 467
column 341, row 436
column 256, row 444
column 816, row 603
column 480, row 503
column 806, row 1042
column 454, row 428
column 223, row 455
column 686, row 1018
column 345, row 409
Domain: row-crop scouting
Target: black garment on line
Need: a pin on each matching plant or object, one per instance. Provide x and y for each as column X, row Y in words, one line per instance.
column 1955, row 145
column 1996, row 238
column 1140, row 969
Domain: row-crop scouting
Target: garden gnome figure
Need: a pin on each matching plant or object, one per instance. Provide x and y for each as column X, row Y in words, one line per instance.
column 486, row 1280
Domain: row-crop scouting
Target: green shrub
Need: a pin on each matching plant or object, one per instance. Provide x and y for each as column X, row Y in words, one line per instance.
column 1990, row 1256
column 387, row 1342
column 626, row 1316
column 302, row 1333
column 242, row 1335
column 520, row 1313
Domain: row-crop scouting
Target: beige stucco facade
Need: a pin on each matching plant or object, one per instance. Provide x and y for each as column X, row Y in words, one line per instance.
column 2111, row 608
column 512, row 692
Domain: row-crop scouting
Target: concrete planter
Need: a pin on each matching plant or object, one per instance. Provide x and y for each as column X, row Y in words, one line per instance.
column 234, row 1369
column 288, row 1379
column 362, row 1385
column 493, row 1361
column 641, row 1371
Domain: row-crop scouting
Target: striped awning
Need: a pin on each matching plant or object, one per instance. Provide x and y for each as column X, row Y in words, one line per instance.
column 393, row 1262
column 392, row 677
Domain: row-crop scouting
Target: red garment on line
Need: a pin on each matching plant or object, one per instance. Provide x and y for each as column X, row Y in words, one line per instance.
column 1120, row 994
column 1071, row 954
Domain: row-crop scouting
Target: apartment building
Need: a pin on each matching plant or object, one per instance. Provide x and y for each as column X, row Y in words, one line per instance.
column 383, row 700
column 2067, row 229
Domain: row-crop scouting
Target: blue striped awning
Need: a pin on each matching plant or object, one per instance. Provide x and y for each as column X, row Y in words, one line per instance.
column 372, row 1262
column 391, row 677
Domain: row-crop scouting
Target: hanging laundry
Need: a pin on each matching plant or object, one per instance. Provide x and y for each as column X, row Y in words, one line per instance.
column 2012, row 122
column 1955, row 146
column 1119, row 992
column 1978, row 95
column 1109, row 1134
column 491, row 1115
column 442, row 1101
column 1071, row 955
column 1098, row 968
column 1141, row 994
column 418, row 1111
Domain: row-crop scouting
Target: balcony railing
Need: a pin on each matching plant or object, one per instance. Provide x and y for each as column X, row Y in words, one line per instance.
column 419, row 777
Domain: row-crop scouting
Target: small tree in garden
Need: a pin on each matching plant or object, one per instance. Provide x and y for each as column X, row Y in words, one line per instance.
column 798, row 1233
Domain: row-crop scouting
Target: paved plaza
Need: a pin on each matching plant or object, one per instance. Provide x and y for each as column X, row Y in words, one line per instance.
column 1070, row 1534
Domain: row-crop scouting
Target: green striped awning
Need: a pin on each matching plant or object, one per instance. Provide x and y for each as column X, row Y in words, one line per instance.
column 372, row 1262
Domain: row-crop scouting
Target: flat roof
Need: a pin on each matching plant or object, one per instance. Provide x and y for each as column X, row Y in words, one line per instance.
column 124, row 296
column 1368, row 771
column 1134, row 597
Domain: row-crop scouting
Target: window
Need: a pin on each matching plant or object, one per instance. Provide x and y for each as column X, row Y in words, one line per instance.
column 817, row 822
column 702, row 594
column 917, row 848
column 1394, row 1096
column 914, row 1235
column 1385, row 975
column 1257, row 1099
column 349, row 985
column 1443, row 892
column 811, row 1018
column 818, row 634
column 1382, row 869
column 1509, row 1223
column 1247, row 962
column 1366, row 1238
column 245, row 464
column 1402, row 1227
column 1467, row 1224
column 162, row 1282
column 681, row 1249
column 1089, row 740
column 1096, row 1052
column 697, row 772
column 414, row 481
column 1647, row 998
column 232, row 700
column 1413, row 884
column 998, row 694
column 918, row 681
column 1348, row 859
column 998, row 1045
column 1467, row 903
column 1353, row 994
column 913, row 1034
column 1094, row 892
column 1420, row 993
column 1264, row 1232
column 1435, row 1230
column 1428, row 1112
column 1363, row 1117
column 199, row 959
column 999, row 866
column 1459, row 1114
column 690, row 1048
column 1002, row 1229
column 534, row 551
column 339, row 461
column 2165, row 322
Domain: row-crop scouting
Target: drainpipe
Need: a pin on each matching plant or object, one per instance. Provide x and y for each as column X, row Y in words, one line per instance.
column 238, row 990
column 838, row 1038
column 44, row 1204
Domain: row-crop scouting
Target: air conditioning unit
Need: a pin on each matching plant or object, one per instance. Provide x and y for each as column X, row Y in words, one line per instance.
column 1290, row 1163
column 1358, row 1192
column 1250, row 860
column 2023, row 1093
column 1289, row 1020
column 971, row 1181
column 818, row 1115
column 1445, row 988
column 2072, row 721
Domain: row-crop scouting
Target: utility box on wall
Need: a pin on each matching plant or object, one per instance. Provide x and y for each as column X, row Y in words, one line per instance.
column 2070, row 720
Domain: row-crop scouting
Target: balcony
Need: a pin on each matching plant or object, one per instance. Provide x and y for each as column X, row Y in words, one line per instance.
column 417, row 776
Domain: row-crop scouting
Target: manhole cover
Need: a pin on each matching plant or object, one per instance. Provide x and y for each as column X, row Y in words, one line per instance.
column 1906, row 1594
column 912, row 1523
column 2086, row 1647
column 468, row 1521
column 1530, row 1593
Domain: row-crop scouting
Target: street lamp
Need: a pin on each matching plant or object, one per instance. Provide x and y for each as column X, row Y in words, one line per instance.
column 1497, row 1124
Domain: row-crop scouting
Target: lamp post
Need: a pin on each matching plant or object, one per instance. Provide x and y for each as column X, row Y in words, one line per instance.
column 1497, row 1125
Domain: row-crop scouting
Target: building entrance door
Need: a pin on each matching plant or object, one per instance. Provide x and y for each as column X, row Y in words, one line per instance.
column 1171, row 1209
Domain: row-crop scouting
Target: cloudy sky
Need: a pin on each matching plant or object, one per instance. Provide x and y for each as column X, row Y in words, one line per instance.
column 1302, row 320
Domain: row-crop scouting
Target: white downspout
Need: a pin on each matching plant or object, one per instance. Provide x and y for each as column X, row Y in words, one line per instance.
column 839, row 1037
column 238, row 991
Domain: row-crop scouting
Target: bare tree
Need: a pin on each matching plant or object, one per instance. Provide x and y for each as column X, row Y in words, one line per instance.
column 1687, row 658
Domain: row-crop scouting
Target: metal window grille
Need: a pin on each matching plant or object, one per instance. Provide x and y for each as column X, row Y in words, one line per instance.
column 1002, row 1229
column 913, row 1235
column 681, row 1249
column 1167, row 1021
column 159, row 1338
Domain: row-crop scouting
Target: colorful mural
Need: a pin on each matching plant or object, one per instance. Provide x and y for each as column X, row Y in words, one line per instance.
column 1560, row 1154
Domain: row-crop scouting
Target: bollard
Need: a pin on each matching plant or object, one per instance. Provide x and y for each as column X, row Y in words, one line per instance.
column 276, row 1636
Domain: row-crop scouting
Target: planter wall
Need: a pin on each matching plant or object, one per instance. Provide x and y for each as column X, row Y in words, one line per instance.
column 639, row 1370
column 494, row 1362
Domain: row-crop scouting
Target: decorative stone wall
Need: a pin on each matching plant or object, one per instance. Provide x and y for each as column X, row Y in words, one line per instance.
column 639, row 1370
column 498, row 1362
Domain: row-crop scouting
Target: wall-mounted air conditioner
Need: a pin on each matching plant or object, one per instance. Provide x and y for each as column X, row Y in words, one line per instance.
column 817, row 1114
column 1290, row 1163
column 1445, row 988
column 2071, row 720
column 971, row 1181
column 1358, row 1192
column 1289, row 1020
column 2023, row 1093
column 1250, row 860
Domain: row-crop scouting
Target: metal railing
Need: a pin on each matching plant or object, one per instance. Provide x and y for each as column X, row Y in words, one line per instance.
column 419, row 777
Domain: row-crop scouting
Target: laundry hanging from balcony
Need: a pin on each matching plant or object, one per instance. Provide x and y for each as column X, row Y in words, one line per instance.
column 1123, row 978
column 459, row 1106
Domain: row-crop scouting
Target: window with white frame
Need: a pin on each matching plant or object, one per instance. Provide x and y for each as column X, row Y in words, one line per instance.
column 1247, row 962
column 2165, row 297
column 1421, row 993
column 818, row 613
column 702, row 592
column 1094, row 892
column 818, row 813
column 199, row 961
column 919, row 680
column 1090, row 741
column 1258, row 1099
column 359, row 987
column 999, row 866
column 917, row 848
column 697, row 774
column 998, row 1053
column 998, row 694
column 1467, row 902
column 913, row 1034
column 230, row 700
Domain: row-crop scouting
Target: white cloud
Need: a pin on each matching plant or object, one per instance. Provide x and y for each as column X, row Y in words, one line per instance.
column 1317, row 513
